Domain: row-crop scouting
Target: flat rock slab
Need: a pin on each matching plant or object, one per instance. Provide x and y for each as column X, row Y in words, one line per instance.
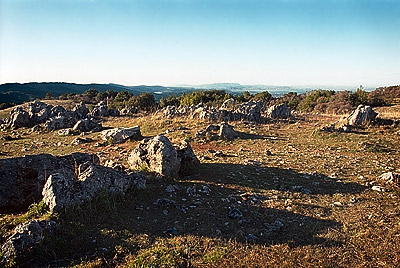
column 119, row 135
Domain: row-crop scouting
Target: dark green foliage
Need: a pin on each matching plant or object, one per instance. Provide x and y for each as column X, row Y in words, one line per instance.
column 5, row 105
column 315, row 97
column 359, row 97
column 170, row 101
column 207, row 97
column 264, row 96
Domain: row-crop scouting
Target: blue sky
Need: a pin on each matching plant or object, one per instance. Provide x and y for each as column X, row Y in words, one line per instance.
column 172, row 42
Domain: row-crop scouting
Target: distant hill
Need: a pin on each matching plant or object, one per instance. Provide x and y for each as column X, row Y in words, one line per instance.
column 19, row 93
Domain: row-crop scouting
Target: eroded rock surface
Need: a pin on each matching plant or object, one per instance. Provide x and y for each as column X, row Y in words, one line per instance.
column 361, row 115
column 159, row 155
column 22, row 178
column 119, row 135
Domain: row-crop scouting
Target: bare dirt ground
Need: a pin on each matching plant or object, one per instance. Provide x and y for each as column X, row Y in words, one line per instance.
column 283, row 195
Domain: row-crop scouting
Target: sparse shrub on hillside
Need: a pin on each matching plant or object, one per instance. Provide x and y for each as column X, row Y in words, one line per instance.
column 264, row 96
column 207, row 97
column 384, row 96
column 359, row 96
column 340, row 103
column 313, row 98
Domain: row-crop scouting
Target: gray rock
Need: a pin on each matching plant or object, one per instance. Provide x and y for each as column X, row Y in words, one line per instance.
column 361, row 115
column 60, row 122
column 228, row 104
column 188, row 159
column 19, row 118
column 280, row 111
column 119, row 135
column 391, row 177
column 79, row 140
column 227, row 132
column 87, row 125
column 81, row 110
column 62, row 190
column 22, row 178
column 212, row 128
column 39, row 112
column 26, row 236
column 100, row 109
column 66, row 132
column 113, row 112
column 157, row 154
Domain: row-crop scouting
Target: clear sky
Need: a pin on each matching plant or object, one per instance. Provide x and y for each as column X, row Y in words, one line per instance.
column 172, row 42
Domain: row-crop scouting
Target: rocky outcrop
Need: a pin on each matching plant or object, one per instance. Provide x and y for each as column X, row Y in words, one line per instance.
column 227, row 132
column 25, row 237
column 87, row 125
column 119, row 135
column 100, row 109
column 391, row 177
column 22, row 178
column 66, row 189
column 222, row 131
column 159, row 155
column 19, row 118
column 361, row 115
column 280, row 111
column 81, row 110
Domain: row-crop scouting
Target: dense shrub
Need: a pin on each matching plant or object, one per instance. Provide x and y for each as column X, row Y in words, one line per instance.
column 313, row 98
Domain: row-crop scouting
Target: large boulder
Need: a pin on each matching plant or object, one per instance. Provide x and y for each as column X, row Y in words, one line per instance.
column 250, row 111
column 227, row 132
column 159, row 155
column 39, row 112
column 22, row 178
column 25, row 237
column 19, row 118
column 87, row 125
column 81, row 110
column 280, row 111
column 62, row 190
column 187, row 158
column 100, row 109
column 119, row 135
column 361, row 115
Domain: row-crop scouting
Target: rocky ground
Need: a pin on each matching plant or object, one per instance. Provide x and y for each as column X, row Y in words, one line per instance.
column 283, row 194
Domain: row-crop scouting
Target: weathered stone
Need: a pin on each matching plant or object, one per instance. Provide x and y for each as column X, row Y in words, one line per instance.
column 157, row 154
column 187, row 157
column 119, row 135
column 100, row 109
column 26, row 236
column 19, row 118
column 66, row 132
column 128, row 111
column 280, row 111
column 227, row 132
column 361, row 115
column 87, row 125
column 39, row 111
column 79, row 140
column 81, row 110
column 62, row 190
column 391, row 177
column 212, row 128
column 22, row 178
column 228, row 104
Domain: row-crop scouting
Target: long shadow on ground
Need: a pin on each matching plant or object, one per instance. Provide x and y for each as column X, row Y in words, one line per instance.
column 221, row 201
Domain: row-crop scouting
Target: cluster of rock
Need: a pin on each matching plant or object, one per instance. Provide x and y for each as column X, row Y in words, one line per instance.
column 60, row 182
column 160, row 156
column 280, row 111
column 360, row 116
column 25, row 237
column 119, row 135
column 22, row 178
column 222, row 131
column 64, row 189
column 249, row 111
column 57, row 117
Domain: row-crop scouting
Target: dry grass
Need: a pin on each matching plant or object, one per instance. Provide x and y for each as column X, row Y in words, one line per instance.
column 318, row 185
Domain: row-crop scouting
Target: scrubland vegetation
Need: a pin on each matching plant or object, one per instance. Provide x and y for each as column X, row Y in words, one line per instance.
column 306, row 196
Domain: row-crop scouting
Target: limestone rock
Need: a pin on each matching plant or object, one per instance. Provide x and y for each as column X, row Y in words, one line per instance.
column 187, row 157
column 100, row 109
column 157, row 154
column 25, row 237
column 19, row 118
column 22, row 178
column 119, row 135
column 87, row 125
column 81, row 110
column 391, row 177
column 227, row 132
column 62, row 190
column 361, row 115
column 280, row 111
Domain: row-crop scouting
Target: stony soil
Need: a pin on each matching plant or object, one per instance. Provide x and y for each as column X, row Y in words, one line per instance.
column 283, row 195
